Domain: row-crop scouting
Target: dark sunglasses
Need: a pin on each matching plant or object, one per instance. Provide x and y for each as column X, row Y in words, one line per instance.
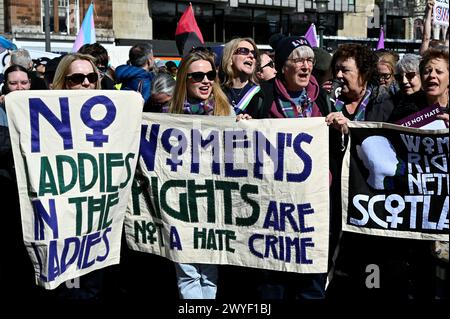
column 201, row 49
column 78, row 78
column 385, row 77
column 199, row 76
column 245, row 51
column 409, row 76
column 268, row 64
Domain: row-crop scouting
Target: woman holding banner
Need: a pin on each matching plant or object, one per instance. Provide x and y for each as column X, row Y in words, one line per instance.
column 198, row 92
column 77, row 71
column 16, row 270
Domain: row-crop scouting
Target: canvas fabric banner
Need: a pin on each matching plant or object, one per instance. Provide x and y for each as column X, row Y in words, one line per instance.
column 252, row 193
column 75, row 154
column 395, row 181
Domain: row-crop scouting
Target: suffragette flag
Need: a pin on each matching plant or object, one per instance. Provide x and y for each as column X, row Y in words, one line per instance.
column 380, row 44
column 188, row 34
column 86, row 35
column 311, row 36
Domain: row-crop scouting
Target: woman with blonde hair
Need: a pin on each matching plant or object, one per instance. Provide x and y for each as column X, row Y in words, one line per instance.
column 76, row 71
column 238, row 66
column 198, row 92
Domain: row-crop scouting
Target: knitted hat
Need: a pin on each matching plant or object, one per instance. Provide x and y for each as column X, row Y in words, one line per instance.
column 283, row 48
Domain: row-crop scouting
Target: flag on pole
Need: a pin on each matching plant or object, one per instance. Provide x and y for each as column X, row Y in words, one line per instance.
column 188, row 34
column 6, row 44
column 311, row 36
column 380, row 44
column 86, row 35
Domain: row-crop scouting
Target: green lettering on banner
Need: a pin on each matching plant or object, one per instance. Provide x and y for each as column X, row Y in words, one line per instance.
column 113, row 199
column 198, row 191
column 182, row 214
column 95, row 205
column 213, row 239
column 128, row 159
column 60, row 160
column 154, row 209
column 101, row 169
column 82, row 157
column 47, row 183
column 112, row 160
column 227, row 188
column 253, row 218
column 78, row 201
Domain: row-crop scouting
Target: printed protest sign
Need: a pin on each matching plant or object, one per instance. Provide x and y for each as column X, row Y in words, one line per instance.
column 425, row 118
column 440, row 13
column 395, row 182
column 75, row 154
column 252, row 193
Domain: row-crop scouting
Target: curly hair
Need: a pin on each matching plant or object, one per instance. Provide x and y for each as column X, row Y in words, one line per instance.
column 365, row 59
column 432, row 54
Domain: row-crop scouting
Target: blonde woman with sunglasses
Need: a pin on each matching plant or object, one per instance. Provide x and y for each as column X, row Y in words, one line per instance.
column 198, row 92
column 76, row 71
column 238, row 67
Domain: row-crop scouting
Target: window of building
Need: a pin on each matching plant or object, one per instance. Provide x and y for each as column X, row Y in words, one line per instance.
column 64, row 16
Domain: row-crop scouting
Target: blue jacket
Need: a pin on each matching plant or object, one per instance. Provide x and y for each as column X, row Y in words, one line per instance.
column 130, row 76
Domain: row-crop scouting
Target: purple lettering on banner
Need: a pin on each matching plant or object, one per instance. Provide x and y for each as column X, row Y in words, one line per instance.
column 148, row 147
column 174, row 151
column 251, row 245
column 212, row 140
column 41, row 215
column 276, row 154
column 98, row 138
column 234, row 139
column 62, row 127
column 75, row 252
column 307, row 161
column 106, row 241
column 92, row 240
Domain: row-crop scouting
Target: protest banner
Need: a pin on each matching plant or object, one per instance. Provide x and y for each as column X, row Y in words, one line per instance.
column 425, row 118
column 75, row 153
column 395, row 181
column 440, row 13
column 251, row 193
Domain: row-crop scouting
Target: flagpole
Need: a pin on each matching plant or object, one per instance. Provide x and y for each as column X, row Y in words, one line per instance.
column 47, row 25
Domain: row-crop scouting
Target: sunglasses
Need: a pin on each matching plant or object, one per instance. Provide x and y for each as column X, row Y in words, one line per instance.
column 78, row 78
column 409, row 76
column 268, row 64
column 245, row 51
column 385, row 76
column 199, row 76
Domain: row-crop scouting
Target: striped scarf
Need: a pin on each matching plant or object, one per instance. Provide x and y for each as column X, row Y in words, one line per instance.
column 202, row 108
column 361, row 111
column 290, row 109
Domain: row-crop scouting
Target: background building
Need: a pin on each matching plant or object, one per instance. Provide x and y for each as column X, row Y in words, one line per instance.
column 121, row 23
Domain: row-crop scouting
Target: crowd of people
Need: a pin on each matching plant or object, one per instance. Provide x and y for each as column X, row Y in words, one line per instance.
column 294, row 80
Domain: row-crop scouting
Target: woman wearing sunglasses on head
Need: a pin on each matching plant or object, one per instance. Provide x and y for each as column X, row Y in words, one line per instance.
column 198, row 92
column 240, row 83
column 76, row 71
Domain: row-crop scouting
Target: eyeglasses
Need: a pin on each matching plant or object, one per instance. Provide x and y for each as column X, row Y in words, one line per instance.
column 408, row 75
column 245, row 51
column 78, row 78
column 308, row 61
column 268, row 64
column 384, row 76
column 199, row 76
